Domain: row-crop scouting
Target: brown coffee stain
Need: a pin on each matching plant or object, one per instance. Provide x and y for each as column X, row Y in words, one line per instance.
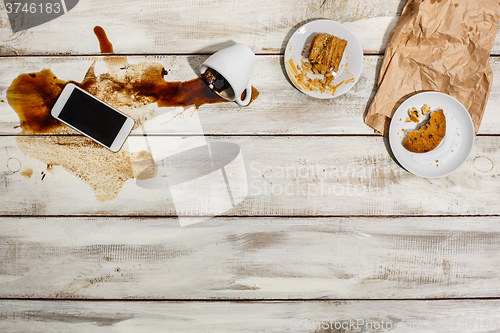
column 127, row 87
column 134, row 86
column 255, row 94
column 27, row 173
column 106, row 172
column 104, row 43
column 32, row 96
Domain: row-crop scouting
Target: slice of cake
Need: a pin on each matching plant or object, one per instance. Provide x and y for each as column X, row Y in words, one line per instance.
column 428, row 136
column 325, row 53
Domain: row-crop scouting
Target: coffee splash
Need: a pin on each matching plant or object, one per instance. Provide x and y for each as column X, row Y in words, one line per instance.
column 128, row 87
column 104, row 171
column 32, row 97
column 104, row 43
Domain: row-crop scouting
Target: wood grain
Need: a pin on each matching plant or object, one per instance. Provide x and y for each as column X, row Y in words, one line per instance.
column 365, row 316
column 332, row 231
column 291, row 176
column 158, row 27
column 250, row 258
column 280, row 108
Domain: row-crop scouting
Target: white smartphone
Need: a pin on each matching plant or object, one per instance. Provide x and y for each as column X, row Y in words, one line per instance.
column 90, row 116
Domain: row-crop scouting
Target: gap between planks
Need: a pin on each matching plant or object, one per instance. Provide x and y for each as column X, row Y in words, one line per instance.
column 173, row 217
column 245, row 300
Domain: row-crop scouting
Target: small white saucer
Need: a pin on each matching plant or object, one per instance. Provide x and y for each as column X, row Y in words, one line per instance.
column 451, row 153
column 350, row 66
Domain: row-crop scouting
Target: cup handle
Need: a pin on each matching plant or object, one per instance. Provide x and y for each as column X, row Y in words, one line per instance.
column 248, row 96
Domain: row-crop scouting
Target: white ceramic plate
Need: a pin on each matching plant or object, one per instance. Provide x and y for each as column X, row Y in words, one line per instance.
column 350, row 66
column 451, row 153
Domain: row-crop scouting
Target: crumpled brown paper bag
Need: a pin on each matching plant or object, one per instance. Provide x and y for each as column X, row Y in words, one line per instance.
column 438, row 45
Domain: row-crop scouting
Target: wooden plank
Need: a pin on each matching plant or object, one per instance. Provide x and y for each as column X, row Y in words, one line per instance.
column 177, row 27
column 285, row 176
column 361, row 316
column 250, row 258
column 279, row 109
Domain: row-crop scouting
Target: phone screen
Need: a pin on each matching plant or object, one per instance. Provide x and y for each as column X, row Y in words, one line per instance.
column 92, row 117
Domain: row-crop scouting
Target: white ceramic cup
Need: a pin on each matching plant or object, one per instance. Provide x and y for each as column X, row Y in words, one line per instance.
column 235, row 64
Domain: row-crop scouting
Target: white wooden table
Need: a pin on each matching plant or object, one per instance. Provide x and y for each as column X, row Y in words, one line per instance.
column 381, row 250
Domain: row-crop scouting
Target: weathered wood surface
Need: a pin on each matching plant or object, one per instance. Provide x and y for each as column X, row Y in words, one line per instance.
column 250, row 258
column 304, row 317
column 329, row 214
column 286, row 176
column 279, row 109
column 177, row 27
column 155, row 27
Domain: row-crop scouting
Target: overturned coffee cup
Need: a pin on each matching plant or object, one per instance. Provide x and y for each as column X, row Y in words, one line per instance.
column 228, row 71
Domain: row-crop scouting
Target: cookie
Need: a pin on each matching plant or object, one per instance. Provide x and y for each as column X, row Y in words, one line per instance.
column 428, row 136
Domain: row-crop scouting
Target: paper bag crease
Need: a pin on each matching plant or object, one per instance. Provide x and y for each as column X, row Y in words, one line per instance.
column 438, row 45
